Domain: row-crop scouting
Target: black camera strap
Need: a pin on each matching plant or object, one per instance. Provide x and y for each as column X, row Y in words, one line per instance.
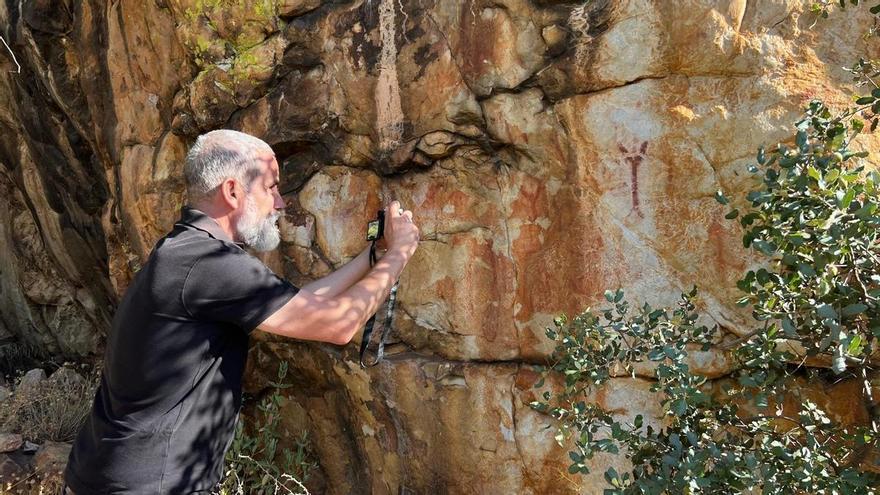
column 368, row 329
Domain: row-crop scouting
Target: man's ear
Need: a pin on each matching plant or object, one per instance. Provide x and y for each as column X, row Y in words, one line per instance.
column 232, row 193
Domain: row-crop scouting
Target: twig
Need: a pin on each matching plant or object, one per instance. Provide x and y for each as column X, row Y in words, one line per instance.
column 277, row 482
column 869, row 396
column 745, row 338
column 855, row 271
column 17, row 65
column 23, row 479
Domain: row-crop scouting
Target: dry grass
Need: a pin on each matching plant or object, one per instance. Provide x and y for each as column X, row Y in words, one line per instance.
column 53, row 410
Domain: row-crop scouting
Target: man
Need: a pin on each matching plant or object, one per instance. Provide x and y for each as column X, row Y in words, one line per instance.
column 165, row 411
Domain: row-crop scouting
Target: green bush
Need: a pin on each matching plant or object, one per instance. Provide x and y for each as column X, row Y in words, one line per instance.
column 254, row 466
column 814, row 215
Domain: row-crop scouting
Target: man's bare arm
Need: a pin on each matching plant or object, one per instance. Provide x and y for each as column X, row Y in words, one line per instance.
column 337, row 318
column 334, row 284
column 310, row 316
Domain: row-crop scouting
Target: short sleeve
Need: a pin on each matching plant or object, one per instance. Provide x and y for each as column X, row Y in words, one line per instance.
column 231, row 286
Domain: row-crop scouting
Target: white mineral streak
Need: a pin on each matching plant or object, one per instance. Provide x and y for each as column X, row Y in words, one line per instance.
column 389, row 114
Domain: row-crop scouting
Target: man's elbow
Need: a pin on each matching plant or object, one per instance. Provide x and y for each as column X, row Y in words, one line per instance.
column 330, row 320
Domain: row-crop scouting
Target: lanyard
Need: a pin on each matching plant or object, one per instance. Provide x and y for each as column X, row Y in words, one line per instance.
column 368, row 329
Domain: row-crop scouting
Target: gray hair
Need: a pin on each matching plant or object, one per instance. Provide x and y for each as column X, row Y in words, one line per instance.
column 220, row 155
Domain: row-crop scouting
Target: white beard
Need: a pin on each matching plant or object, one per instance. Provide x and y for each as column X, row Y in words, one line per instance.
column 256, row 233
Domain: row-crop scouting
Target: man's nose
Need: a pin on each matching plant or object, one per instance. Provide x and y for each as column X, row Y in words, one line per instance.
column 279, row 201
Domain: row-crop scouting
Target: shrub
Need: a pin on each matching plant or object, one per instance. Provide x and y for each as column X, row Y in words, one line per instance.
column 707, row 442
column 54, row 409
column 254, row 466
column 814, row 215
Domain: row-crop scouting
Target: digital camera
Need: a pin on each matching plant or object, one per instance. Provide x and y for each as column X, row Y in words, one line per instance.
column 376, row 227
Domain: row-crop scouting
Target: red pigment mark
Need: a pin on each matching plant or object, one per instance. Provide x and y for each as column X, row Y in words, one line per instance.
column 634, row 158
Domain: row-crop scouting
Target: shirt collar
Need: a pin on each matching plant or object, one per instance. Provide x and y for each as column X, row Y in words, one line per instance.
column 200, row 220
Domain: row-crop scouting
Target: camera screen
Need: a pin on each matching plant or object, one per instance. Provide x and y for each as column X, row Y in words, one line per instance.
column 373, row 230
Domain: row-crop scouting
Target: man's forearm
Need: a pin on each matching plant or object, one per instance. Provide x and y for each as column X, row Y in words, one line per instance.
column 365, row 296
column 334, row 284
column 334, row 308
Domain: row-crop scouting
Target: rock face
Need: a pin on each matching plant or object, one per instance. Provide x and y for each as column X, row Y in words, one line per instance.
column 10, row 442
column 550, row 150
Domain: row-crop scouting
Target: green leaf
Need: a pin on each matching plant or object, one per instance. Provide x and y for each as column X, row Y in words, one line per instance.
column 765, row 247
column 733, row 214
column 719, row 196
column 611, row 476
column 826, row 311
column 865, row 100
column 806, row 270
column 638, row 421
column 832, row 175
column 854, row 345
column 866, row 211
column 679, row 407
column 847, row 198
column 837, row 140
column 761, row 399
column 853, row 309
column 788, row 327
column 857, row 125
column 616, row 431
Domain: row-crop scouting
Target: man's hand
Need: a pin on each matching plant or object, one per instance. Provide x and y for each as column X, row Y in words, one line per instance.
column 400, row 232
column 326, row 315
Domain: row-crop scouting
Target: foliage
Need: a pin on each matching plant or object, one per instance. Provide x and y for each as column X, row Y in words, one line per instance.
column 708, row 441
column 823, row 8
column 254, row 466
column 814, row 215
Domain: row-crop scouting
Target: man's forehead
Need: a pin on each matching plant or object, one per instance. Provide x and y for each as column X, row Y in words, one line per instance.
column 274, row 169
column 268, row 164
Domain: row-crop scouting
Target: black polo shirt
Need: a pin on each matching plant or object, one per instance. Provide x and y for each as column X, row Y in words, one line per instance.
column 165, row 411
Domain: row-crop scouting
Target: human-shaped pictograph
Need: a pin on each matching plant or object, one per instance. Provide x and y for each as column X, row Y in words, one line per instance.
column 634, row 158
